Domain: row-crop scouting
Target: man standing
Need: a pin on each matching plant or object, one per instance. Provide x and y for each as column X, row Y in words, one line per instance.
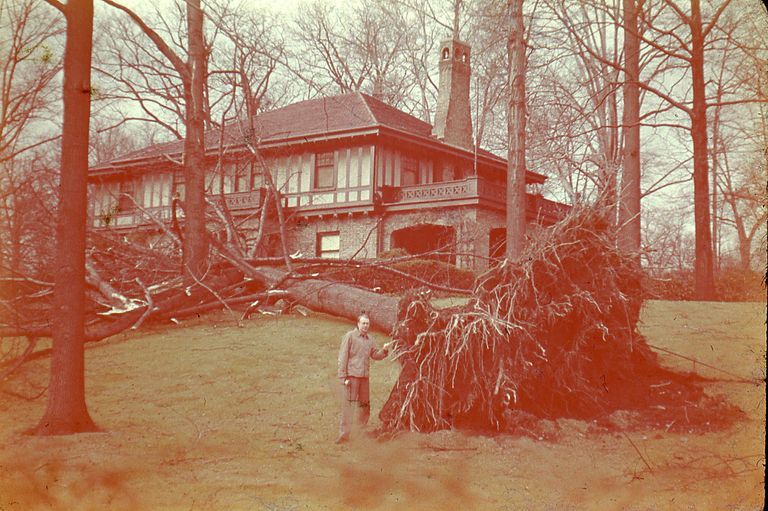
column 357, row 348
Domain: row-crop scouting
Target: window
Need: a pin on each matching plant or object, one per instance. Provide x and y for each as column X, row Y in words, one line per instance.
column 257, row 175
column 410, row 172
column 328, row 244
column 325, row 175
column 178, row 184
column 213, row 185
column 125, row 196
column 241, row 177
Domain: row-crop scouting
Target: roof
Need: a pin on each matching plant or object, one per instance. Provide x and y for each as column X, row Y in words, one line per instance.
column 308, row 120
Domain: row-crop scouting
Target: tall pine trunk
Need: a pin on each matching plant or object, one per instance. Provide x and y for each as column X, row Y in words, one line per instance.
column 67, row 412
column 516, row 131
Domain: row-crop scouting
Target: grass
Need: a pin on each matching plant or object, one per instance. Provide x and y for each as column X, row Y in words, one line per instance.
column 209, row 416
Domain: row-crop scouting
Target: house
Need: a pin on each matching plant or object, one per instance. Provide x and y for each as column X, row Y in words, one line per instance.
column 356, row 176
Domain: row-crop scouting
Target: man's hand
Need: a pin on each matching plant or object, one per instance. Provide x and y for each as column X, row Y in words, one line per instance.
column 346, row 381
column 389, row 345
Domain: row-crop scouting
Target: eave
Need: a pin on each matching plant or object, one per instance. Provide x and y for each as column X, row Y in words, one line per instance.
column 275, row 144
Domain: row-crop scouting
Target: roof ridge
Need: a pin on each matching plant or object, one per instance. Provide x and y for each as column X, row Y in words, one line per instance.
column 364, row 97
column 380, row 103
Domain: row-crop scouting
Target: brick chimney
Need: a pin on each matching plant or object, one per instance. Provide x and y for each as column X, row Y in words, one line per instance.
column 453, row 120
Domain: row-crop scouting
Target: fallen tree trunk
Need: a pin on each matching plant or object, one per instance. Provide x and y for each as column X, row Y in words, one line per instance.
column 333, row 298
column 340, row 300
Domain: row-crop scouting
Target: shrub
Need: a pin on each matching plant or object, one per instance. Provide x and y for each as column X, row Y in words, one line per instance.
column 435, row 272
column 732, row 284
column 393, row 254
column 737, row 285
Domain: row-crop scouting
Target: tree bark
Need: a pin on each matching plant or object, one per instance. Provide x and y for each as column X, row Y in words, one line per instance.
column 67, row 411
column 340, row 300
column 704, row 287
column 516, row 131
column 629, row 206
column 195, row 249
column 193, row 77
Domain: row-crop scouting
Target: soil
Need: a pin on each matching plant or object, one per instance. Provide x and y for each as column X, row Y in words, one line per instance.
column 208, row 415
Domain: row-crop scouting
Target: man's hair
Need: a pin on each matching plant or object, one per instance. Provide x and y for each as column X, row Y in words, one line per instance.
column 362, row 315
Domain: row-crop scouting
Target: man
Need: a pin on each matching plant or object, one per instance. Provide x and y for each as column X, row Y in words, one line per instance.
column 357, row 348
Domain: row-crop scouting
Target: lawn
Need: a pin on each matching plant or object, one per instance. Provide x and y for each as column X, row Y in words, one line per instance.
column 211, row 416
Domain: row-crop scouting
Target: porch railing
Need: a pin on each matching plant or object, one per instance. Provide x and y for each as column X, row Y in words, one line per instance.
column 238, row 201
column 472, row 189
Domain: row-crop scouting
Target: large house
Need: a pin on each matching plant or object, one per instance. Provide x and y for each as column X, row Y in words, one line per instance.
column 356, row 177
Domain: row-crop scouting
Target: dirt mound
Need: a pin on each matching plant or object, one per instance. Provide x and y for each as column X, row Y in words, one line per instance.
column 552, row 337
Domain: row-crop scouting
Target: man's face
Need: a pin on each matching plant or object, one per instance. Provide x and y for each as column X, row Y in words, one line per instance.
column 363, row 324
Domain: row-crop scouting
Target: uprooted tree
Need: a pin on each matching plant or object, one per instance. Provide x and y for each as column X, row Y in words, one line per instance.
column 554, row 336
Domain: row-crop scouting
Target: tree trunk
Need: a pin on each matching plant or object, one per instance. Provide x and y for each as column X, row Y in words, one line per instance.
column 516, row 131
column 340, row 300
column 195, row 250
column 629, row 206
column 67, row 412
column 745, row 241
column 704, row 287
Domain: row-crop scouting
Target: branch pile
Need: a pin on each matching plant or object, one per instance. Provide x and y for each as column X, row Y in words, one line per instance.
column 552, row 337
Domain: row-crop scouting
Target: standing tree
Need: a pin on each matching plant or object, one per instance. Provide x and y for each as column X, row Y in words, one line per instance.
column 516, row 131
column 703, row 266
column 67, row 412
column 192, row 73
column 629, row 205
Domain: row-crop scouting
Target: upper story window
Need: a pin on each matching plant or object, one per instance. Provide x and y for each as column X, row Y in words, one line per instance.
column 257, row 175
column 125, row 198
column 328, row 245
column 325, row 171
column 178, row 184
column 409, row 174
column 242, row 178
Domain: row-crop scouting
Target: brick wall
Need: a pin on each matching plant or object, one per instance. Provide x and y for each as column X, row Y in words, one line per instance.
column 353, row 231
column 472, row 228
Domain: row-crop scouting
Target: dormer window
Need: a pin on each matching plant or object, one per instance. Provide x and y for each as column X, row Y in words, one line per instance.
column 446, row 53
column 325, row 171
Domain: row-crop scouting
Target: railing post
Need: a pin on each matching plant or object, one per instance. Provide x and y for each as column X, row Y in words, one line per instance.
column 472, row 186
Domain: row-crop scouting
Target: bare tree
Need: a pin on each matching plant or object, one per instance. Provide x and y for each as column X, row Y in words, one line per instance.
column 667, row 243
column 704, row 270
column 629, row 205
column 67, row 411
column 738, row 132
column 28, row 66
column 27, row 208
column 192, row 74
column 516, row 109
column 678, row 42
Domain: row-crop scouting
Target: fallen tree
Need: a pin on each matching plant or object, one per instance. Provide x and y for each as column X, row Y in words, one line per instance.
column 552, row 337
column 555, row 336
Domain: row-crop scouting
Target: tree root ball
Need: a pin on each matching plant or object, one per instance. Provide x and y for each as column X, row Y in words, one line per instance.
column 551, row 336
